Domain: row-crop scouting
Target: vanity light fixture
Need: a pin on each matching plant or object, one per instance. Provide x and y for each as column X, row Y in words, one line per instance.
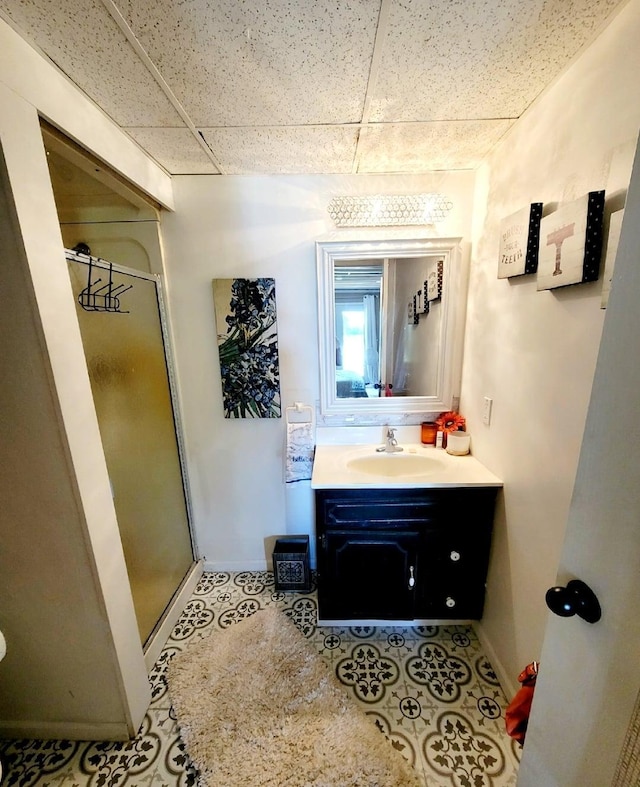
column 383, row 210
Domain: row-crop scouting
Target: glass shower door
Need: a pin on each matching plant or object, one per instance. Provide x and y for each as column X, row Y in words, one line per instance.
column 125, row 351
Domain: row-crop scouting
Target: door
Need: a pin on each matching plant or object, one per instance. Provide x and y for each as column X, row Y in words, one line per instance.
column 124, row 346
column 589, row 676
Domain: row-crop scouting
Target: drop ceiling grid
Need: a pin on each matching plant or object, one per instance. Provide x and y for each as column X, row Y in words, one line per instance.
column 472, row 59
column 175, row 149
column 313, row 86
column 81, row 38
column 260, row 62
column 286, row 150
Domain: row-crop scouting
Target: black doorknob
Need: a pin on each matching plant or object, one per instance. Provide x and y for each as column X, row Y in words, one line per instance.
column 576, row 599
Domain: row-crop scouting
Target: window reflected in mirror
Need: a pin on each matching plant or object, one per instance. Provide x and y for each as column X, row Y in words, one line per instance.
column 358, row 298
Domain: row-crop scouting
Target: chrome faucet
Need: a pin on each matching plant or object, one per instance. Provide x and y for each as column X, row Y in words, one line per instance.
column 391, row 443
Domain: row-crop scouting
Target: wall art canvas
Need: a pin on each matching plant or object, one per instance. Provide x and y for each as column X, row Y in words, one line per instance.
column 571, row 243
column 613, row 239
column 519, row 239
column 433, row 284
column 247, row 333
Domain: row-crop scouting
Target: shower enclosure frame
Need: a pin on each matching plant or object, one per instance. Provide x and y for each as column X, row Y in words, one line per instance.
column 160, row 633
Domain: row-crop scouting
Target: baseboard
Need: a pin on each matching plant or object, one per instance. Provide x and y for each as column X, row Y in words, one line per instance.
column 509, row 684
column 65, row 731
column 236, row 565
column 242, row 565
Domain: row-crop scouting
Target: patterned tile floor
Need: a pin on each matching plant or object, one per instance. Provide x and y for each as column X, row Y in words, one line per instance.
column 429, row 689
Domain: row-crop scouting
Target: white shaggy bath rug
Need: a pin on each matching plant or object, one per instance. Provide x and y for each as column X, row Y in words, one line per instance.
column 258, row 707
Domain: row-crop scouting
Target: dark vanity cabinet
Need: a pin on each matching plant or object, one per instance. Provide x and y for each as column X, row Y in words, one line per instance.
column 403, row 554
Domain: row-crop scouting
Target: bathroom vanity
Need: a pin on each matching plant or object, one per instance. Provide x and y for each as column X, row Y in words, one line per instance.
column 403, row 537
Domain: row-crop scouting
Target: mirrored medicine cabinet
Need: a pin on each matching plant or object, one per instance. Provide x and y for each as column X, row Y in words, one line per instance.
column 391, row 323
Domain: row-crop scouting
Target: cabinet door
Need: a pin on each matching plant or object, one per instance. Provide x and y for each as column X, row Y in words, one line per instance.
column 368, row 575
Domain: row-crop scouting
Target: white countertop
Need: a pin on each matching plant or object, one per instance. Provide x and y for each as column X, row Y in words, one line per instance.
column 332, row 468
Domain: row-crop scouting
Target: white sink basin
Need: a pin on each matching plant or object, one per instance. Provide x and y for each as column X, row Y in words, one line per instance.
column 359, row 466
column 392, row 465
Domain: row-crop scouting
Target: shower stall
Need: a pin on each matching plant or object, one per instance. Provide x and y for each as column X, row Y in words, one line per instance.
column 123, row 326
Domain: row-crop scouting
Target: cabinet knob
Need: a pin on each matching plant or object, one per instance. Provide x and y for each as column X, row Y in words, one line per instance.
column 412, row 579
column 454, row 556
column 450, row 602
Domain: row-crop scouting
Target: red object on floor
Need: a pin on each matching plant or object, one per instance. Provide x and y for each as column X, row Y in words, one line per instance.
column 517, row 713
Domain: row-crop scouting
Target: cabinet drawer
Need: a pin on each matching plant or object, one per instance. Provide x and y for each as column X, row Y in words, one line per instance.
column 376, row 509
column 456, row 602
column 462, row 554
column 380, row 514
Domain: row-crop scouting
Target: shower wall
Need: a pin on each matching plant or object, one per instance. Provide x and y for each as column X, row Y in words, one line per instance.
column 135, row 244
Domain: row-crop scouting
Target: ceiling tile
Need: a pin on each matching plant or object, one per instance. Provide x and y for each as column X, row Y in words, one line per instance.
column 84, row 42
column 280, row 86
column 463, row 59
column 260, row 62
column 176, row 149
column 420, row 147
column 324, row 150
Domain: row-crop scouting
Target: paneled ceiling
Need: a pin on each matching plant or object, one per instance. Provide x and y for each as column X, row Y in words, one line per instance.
column 311, row 86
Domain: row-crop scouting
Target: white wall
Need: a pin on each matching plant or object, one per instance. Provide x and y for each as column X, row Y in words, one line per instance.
column 247, row 227
column 63, row 573
column 415, row 368
column 534, row 352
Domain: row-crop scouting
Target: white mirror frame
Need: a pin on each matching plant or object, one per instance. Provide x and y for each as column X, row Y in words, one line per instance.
column 452, row 335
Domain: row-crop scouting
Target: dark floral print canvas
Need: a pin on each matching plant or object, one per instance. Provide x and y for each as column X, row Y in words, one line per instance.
column 248, row 347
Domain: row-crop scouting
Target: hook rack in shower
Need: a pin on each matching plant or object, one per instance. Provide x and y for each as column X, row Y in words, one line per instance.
column 105, row 298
